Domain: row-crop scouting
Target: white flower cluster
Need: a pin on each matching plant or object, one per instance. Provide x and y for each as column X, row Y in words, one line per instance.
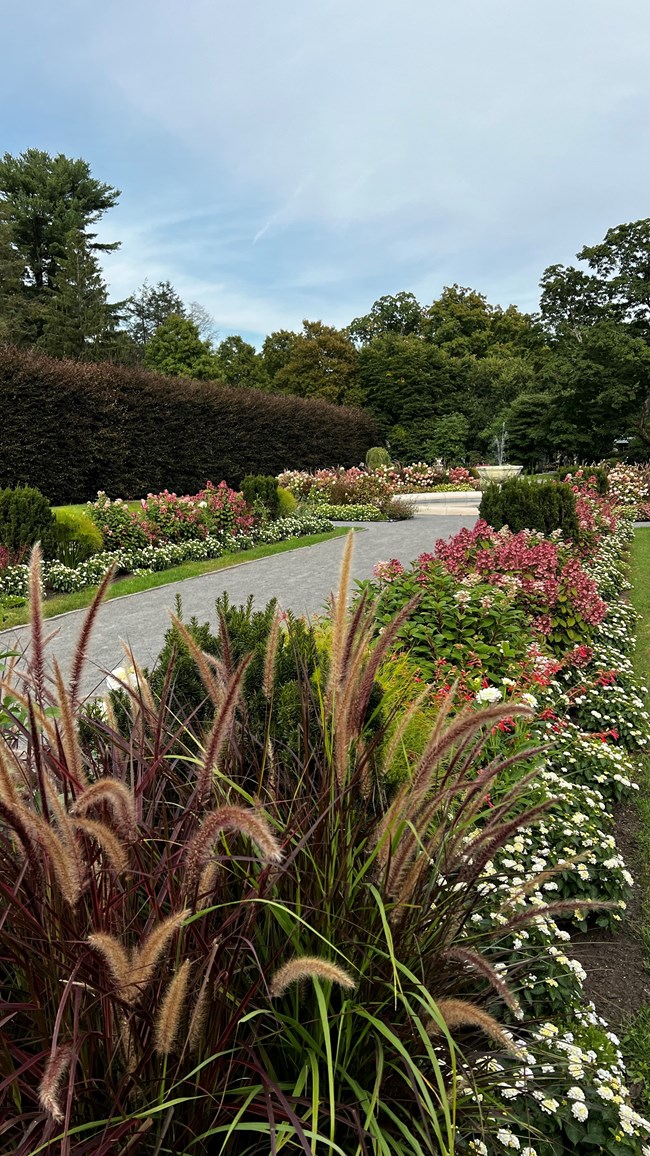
column 571, row 1079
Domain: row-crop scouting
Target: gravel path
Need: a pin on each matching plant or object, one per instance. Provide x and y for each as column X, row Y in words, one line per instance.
column 301, row 580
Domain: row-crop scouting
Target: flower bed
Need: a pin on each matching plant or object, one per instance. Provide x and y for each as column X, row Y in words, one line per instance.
column 378, row 486
column 566, row 634
column 149, row 558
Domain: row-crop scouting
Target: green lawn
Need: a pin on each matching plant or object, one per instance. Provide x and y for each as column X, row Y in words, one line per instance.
column 62, row 603
column 637, row 1042
column 82, row 507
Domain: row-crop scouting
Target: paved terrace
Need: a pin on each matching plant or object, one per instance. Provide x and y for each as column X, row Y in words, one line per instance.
column 300, row 579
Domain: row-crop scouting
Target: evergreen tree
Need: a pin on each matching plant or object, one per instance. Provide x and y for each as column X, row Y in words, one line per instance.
column 147, row 309
column 44, row 200
column 176, row 350
column 79, row 322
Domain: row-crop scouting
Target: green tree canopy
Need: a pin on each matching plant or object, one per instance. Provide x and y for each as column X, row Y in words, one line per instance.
column 401, row 314
column 176, row 350
column 240, row 364
column 323, row 363
column 79, row 322
column 276, row 351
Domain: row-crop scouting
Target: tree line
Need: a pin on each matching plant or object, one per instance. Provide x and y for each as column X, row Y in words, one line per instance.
column 569, row 381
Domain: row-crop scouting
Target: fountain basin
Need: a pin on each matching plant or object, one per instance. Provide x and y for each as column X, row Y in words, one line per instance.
column 498, row 473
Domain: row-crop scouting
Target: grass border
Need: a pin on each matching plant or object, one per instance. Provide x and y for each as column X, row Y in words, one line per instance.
column 61, row 604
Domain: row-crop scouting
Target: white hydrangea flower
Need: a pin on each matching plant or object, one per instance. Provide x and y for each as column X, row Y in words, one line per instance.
column 508, row 1139
column 489, row 694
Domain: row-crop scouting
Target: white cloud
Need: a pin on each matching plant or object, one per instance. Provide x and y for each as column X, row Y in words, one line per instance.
column 317, row 153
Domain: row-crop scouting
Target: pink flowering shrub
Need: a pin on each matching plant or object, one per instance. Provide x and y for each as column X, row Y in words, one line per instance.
column 460, row 474
column 4, row 557
column 544, row 576
column 121, row 528
column 628, row 484
column 387, row 571
column 225, row 509
column 361, row 486
column 167, row 518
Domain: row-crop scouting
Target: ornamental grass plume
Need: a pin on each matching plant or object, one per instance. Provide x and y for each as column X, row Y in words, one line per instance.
column 459, row 1013
column 50, row 1086
column 243, row 821
column 308, row 967
column 169, row 1017
column 221, row 730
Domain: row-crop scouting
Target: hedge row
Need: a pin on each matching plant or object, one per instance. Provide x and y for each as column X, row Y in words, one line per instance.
column 74, row 428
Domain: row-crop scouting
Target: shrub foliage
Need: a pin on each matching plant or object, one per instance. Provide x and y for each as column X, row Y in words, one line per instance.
column 523, row 505
column 72, row 429
column 25, row 518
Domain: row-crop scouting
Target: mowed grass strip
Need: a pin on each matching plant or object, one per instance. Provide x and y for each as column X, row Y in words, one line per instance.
column 136, row 583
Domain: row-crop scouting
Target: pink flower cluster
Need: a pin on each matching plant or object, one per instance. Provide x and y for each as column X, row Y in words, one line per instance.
column 170, row 518
column 215, row 509
column 541, row 574
column 387, row 571
column 359, row 485
column 339, row 486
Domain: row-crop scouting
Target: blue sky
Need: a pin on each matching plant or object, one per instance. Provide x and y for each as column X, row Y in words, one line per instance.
column 282, row 159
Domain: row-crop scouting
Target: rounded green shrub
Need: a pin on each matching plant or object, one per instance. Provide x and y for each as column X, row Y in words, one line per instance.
column 75, row 537
column 261, row 488
column 25, row 518
column 377, row 456
column 529, row 505
column 287, row 503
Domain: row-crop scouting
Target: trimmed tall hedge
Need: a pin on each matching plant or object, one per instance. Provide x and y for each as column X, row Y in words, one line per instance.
column 73, row 428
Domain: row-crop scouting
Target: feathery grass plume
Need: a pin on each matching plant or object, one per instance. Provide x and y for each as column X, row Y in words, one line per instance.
column 198, row 1017
column 477, row 962
column 200, row 1009
column 145, row 958
column 118, row 798
column 221, row 729
column 204, row 666
column 244, row 821
column 459, row 1013
column 37, row 658
column 308, row 967
column 22, row 823
column 50, row 1085
column 169, row 1015
column 207, row 881
column 69, row 732
column 115, row 955
column 81, row 649
column 8, row 789
column 270, row 656
column 111, row 846
column 63, row 860
column 339, row 609
column 225, row 645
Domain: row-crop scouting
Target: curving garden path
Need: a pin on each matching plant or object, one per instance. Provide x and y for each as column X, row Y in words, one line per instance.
column 300, row 579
